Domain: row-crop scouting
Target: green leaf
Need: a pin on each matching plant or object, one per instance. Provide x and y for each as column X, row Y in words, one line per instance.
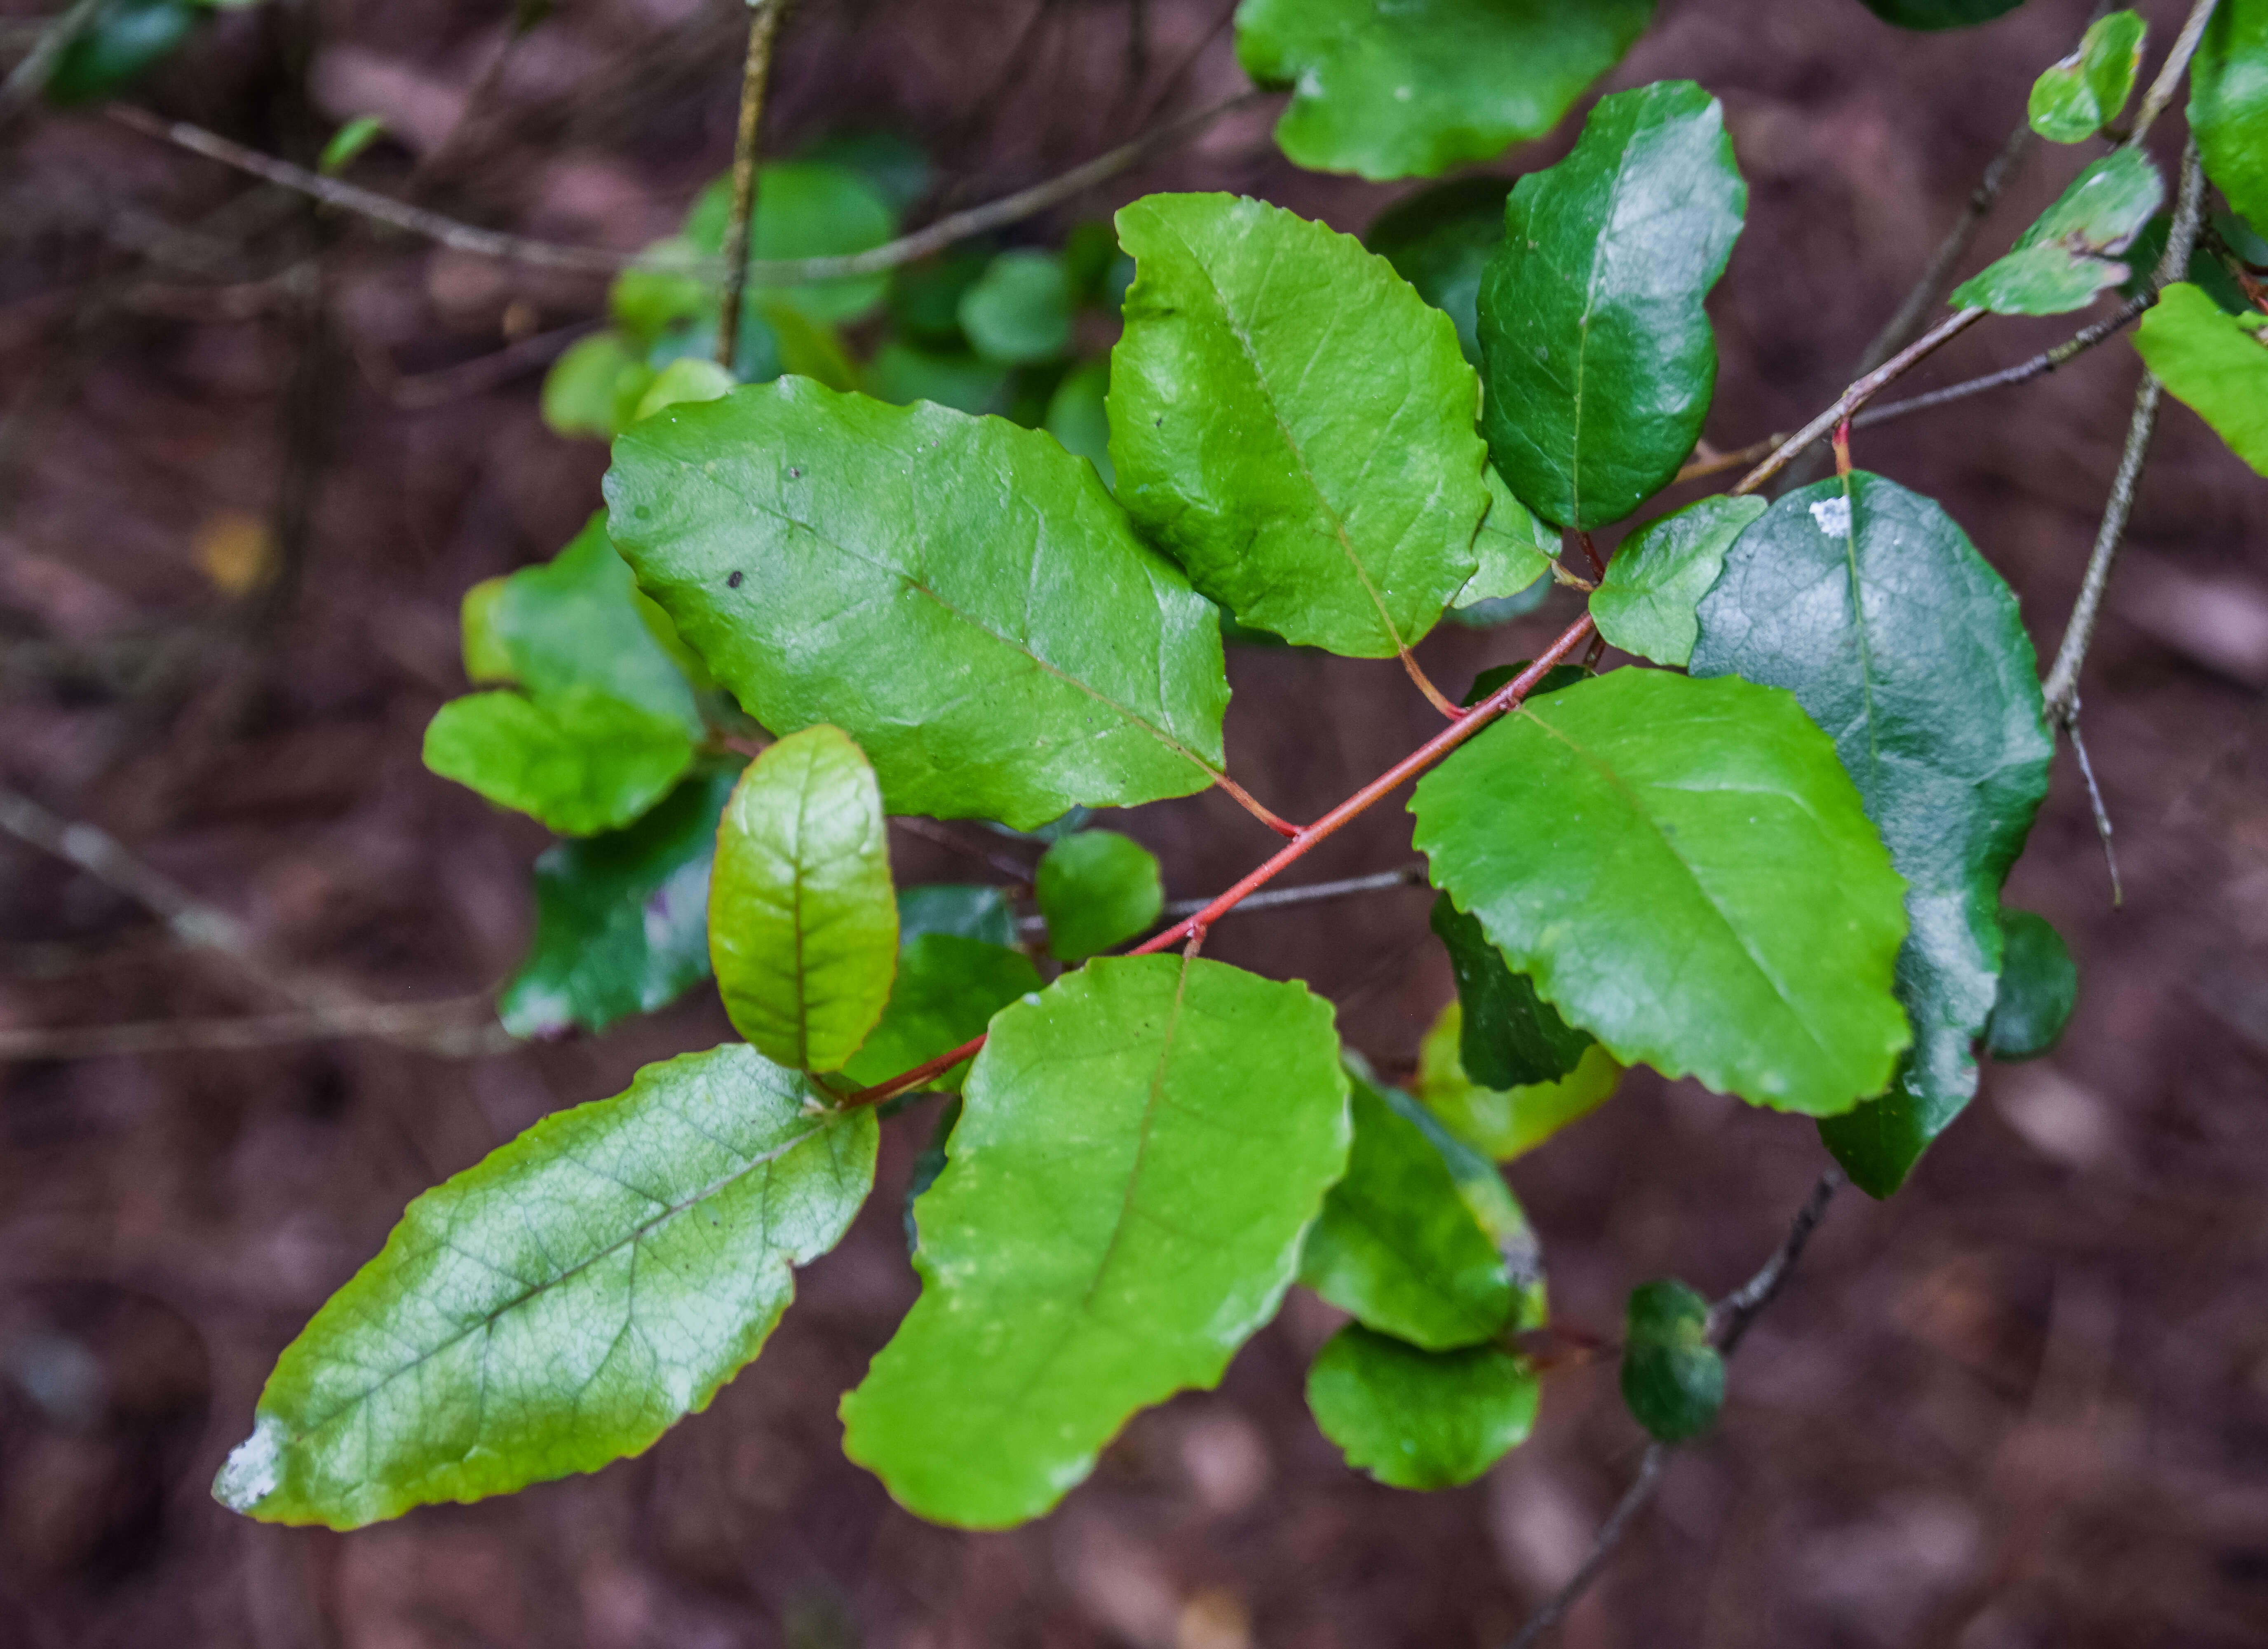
column 2063, row 260
column 564, row 1302
column 1097, row 890
column 961, row 596
column 1397, row 1248
column 2207, row 270
column 1673, row 1379
column 581, row 761
column 348, row 143
column 963, row 908
column 1020, row 309
column 2039, row 986
column 688, row 378
column 1078, row 417
column 2228, row 103
column 929, row 1162
column 809, row 348
column 579, row 621
column 1871, row 604
column 2214, row 362
column 902, row 373
column 1940, row 14
column 2084, row 92
column 1419, row 1419
column 1413, row 88
column 1268, row 364
column 1597, row 354
column 803, row 926
column 892, row 163
column 587, row 389
column 924, row 298
column 1139, row 1153
column 946, row 991
column 804, row 209
column 120, row 43
column 1515, row 549
column 1513, row 1038
column 1486, row 615
column 1645, row 604
column 621, row 921
column 1505, row 1123
column 1440, row 241
column 1685, row 870
column 487, row 660
column 647, row 300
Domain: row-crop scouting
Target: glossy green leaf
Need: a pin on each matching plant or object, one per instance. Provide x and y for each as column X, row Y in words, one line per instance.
column 1078, row 415
column 803, row 925
column 1685, row 870
column 1480, row 1184
column 2067, row 256
column 564, row 1302
column 1598, row 356
column 2228, row 103
column 1440, row 241
column 1871, row 606
column 122, row 41
column 963, row 908
column 2039, row 986
column 2214, row 362
column 621, row 921
column 1513, row 1038
column 1419, row 1419
column 1515, row 549
column 1139, row 1153
column 1645, row 604
column 1097, row 890
column 1673, row 1379
column 947, row 990
column 2079, row 95
column 1505, row 1123
column 578, row 621
column 1940, row 14
column 1397, row 1248
column 963, row 597
column 1415, row 88
column 804, row 209
column 1019, row 309
column 1267, row 364
column 587, row 390
column 582, row 761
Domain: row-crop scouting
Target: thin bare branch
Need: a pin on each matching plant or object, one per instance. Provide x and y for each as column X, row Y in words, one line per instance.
column 1635, row 1499
column 763, row 28
column 1950, row 250
column 2078, row 344
column 29, row 78
column 2170, row 78
column 455, row 1028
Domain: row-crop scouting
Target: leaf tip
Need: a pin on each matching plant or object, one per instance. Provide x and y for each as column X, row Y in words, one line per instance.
column 252, row 1469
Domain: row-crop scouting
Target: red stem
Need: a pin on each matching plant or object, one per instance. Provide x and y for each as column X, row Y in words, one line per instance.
column 1506, row 697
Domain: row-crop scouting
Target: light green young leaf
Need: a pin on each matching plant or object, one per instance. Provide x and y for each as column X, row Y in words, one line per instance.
column 946, row 991
column 1513, row 1038
column 2066, row 258
column 1505, row 1123
column 1515, row 549
column 1440, row 241
column 961, row 596
column 2228, row 103
column 2039, row 986
column 1268, row 367
column 1097, row 890
column 582, row 761
column 1101, row 1237
column 586, row 391
column 1397, row 1248
column 1685, row 870
column 686, row 378
column 1646, row 603
column 2079, row 95
column 1598, row 356
column 488, row 662
column 1419, row 1419
column 622, row 923
column 561, row 1304
column 2214, row 362
column 340, row 150
column 1411, row 90
column 803, row 925
column 1871, row 606
column 1019, row 309
column 1673, row 1379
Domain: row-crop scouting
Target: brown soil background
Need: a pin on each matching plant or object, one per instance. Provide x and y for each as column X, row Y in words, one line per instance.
column 2025, row 1404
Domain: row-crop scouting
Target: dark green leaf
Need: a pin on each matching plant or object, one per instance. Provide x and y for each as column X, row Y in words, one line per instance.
column 2215, row 364
column 1559, row 676
column 122, row 42
column 1440, row 241
column 929, row 1162
column 1020, row 309
column 2079, row 96
column 2063, row 260
column 892, row 163
column 1513, row 1038
column 962, row 909
column 804, row 209
column 1097, row 890
column 946, row 991
column 961, row 596
column 2206, row 271
column 1139, row 1152
column 563, row 1303
column 803, row 926
column 902, row 373
column 1940, row 14
column 1598, row 356
column 1685, row 870
column 1646, row 603
column 1500, row 1122
column 1419, row 1419
column 1870, row 604
column 1413, row 88
column 1267, row 364
column 925, row 297
column 1673, row 1379
column 581, row 761
column 2039, row 985
column 1397, row 1246
column 2228, row 103
column 621, row 921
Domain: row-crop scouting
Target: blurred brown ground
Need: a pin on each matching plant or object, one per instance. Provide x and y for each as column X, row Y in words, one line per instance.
column 2026, row 1403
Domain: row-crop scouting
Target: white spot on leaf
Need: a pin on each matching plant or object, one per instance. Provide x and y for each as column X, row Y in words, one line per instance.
column 1833, row 515
column 250, row 1475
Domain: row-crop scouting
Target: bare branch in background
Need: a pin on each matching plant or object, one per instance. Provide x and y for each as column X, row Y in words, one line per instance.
column 763, row 28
